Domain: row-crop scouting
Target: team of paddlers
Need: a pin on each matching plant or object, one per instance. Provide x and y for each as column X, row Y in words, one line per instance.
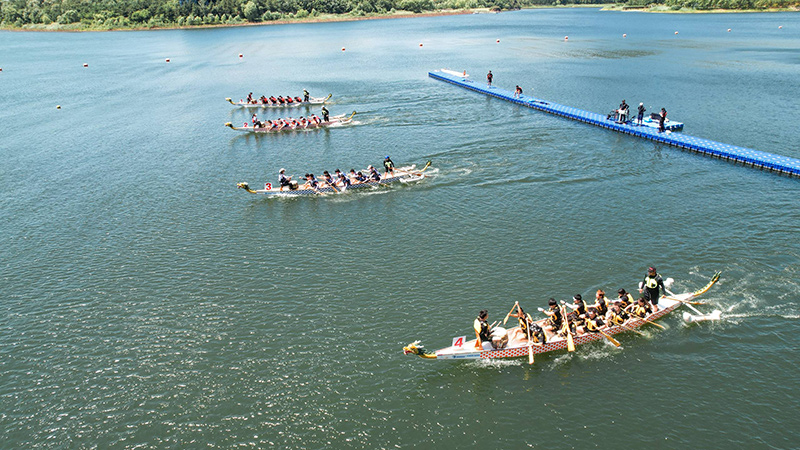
column 582, row 318
column 279, row 100
column 303, row 122
column 339, row 180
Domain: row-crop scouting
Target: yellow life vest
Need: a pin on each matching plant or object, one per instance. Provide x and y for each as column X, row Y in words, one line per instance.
column 650, row 283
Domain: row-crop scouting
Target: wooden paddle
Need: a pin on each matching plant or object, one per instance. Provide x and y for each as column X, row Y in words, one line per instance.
column 649, row 321
column 516, row 304
column 530, row 342
column 570, row 342
column 607, row 336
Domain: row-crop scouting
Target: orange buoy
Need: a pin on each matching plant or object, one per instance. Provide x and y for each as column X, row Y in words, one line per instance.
column 1, row 69
column 420, row 44
column 780, row 27
column 498, row 41
column 566, row 38
column 676, row 32
column 624, row 35
column 167, row 59
column 241, row 55
column 342, row 48
column 729, row 30
column 85, row 65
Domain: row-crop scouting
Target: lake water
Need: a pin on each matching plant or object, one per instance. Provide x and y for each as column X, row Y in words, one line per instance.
column 148, row 303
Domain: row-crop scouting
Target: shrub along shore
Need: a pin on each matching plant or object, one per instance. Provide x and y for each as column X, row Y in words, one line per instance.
column 104, row 15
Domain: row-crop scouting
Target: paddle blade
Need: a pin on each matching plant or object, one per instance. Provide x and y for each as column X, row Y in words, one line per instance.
column 530, row 353
column 570, row 342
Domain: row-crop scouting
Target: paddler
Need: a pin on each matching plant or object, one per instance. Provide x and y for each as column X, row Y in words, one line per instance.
column 283, row 179
column 593, row 322
column 315, row 119
column 373, row 174
column 653, row 285
column 601, row 303
column 482, row 331
column 555, row 321
column 641, row 308
column 578, row 305
column 625, row 298
column 326, row 177
column 311, row 182
column 388, row 164
column 616, row 315
column 342, row 179
column 250, row 98
column 305, row 95
column 325, row 115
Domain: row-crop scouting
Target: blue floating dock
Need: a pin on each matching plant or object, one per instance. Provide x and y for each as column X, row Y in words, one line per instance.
column 746, row 156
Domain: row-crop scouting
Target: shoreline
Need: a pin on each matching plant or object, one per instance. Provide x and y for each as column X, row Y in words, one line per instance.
column 323, row 18
column 326, row 18
column 667, row 10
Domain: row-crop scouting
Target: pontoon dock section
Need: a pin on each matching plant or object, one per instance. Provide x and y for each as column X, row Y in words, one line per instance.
column 746, row 156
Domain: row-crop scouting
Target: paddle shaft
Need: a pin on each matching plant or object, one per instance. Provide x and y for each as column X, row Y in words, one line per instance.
column 516, row 304
column 682, row 301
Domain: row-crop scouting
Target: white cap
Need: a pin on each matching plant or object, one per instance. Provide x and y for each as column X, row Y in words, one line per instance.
column 641, row 104
column 282, row 170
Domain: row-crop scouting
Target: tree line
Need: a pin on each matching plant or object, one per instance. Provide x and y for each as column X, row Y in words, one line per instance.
column 113, row 14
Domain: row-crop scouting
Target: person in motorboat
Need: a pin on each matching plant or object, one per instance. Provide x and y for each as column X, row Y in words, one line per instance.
column 593, row 322
column 283, row 180
column 555, row 321
column 653, row 284
column 325, row 114
column 305, row 95
column 625, row 298
column 388, row 164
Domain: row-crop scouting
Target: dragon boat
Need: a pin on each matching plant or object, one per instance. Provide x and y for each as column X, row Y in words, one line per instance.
column 518, row 346
column 294, row 190
column 273, row 102
column 342, row 119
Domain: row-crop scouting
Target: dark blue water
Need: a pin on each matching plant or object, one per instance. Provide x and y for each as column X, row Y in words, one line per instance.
column 148, row 303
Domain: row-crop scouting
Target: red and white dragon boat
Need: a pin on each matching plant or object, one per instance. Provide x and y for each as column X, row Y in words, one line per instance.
column 282, row 102
column 519, row 346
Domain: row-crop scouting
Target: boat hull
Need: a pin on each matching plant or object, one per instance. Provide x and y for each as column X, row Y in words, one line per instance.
column 341, row 119
column 275, row 192
column 468, row 351
column 311, row 102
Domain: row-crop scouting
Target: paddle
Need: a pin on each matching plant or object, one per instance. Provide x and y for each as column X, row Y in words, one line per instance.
column 530, row 344
column 516, row 304
column 570, row 342
column 648, row 321
column 605, row 335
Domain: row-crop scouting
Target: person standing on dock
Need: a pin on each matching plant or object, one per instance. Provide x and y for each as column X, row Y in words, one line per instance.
column 623, row 112
column 489, row 78
column 662, row 117
column 640, row 116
